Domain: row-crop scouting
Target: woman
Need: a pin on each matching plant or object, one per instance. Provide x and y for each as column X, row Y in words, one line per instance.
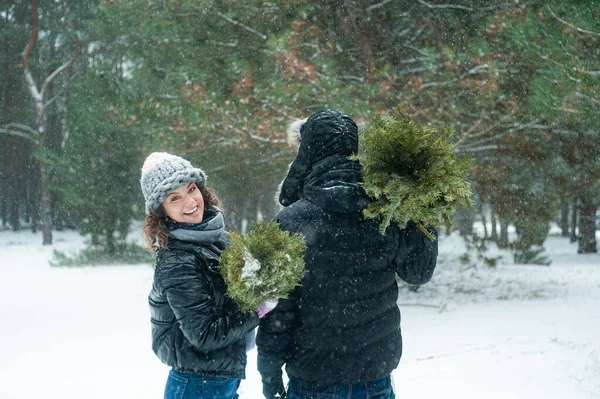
column 196, row 329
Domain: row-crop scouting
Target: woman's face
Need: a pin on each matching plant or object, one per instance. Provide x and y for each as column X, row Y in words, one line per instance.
column 185, row 204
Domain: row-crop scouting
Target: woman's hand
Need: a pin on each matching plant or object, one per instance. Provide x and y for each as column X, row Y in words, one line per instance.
column 266, row 307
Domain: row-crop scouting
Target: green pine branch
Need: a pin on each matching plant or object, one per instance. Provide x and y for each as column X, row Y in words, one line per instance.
column 265, row 263
column 411, row 173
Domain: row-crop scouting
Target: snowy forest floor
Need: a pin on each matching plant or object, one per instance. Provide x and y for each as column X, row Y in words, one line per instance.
column 474, row 331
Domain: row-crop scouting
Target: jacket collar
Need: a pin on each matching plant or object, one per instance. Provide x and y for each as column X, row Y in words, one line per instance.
column 335, row 184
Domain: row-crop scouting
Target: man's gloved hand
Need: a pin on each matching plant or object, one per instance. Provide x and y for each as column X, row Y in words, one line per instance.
column 273, row 388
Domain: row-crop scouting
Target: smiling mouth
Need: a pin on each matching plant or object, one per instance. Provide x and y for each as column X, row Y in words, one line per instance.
column 191, row 212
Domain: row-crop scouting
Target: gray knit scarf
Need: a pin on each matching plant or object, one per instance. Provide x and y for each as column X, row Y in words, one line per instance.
column 210, row 233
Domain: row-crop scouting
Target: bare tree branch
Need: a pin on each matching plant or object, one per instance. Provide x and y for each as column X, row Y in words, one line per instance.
column 590, row 73
column 350, row 77
column 454, row 6
column 562, row 21
column 535, row 126
column 241, row 25
column 489, row 147
column 460, row 7
column 475, row 70
column 374, row 6
column 18, row 133
column 60, row 70
column 20, row 126
column 592, row 99
column 62, row 90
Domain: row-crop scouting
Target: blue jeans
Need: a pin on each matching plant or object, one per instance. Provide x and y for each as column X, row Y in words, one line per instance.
column 185, row 386
column 379, row 389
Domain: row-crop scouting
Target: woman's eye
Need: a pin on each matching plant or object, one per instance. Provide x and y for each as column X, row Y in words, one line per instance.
column 174, row 198
column 192, row 189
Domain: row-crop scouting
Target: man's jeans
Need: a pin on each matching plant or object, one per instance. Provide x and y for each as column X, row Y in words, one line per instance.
column 184, row 386
column 379, row 389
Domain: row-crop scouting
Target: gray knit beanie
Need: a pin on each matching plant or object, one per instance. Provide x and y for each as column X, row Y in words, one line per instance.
column 162, row 173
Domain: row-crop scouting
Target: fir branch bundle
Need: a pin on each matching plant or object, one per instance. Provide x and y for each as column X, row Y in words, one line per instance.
column 264, row 264
column 411, row 173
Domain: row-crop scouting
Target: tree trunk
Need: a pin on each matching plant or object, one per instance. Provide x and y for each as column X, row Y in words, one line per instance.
column 564, row 219
column 110, row 237
column 33, row 202
column 5, row 142
column 3, row 213
column 494, row 232
column 268, row 205
column 574, row 218
column 503, row 240
column 39, row 99
column 46, row 209
column 587, row 229
column 15, row 221
column 463, row 220
column 236, row 212
column 483, row 221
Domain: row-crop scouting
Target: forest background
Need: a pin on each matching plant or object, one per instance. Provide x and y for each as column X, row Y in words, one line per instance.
column 88, row 88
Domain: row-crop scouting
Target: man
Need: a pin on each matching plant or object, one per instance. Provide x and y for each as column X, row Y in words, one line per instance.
column 338, row 334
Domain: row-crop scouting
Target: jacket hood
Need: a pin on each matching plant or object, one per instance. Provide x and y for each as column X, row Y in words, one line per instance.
column 324, row 134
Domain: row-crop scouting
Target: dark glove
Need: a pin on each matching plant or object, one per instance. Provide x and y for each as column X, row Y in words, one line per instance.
column 273, row 388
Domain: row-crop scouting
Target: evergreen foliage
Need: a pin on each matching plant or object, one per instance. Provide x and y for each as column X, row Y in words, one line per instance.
column 98, row 168
column 411, row 172
column 264, row 264
column 218, row 82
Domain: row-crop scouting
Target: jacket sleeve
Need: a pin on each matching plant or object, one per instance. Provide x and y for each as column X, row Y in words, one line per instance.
column 416, row 256
column 273, row 341
column 190, row 296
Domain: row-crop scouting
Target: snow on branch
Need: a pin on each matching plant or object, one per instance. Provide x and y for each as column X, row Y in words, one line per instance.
column 374, row 6
column 566, row 69
column 241, row 25
column 454, row 6
column 20, row 126
column 580, row 30
column 590, row 73
column 592, row 99
column 461, row 7
column 488, row 147
column 13, row 132
column 60, row 69
column 62, row 90
column 536, row 126
column 475, row 70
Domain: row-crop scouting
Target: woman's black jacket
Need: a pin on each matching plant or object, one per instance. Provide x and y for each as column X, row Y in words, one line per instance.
column 342, row 325
column 195, row 328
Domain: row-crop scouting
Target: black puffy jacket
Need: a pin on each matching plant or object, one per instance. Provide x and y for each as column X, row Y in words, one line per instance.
column 342, row 325
column 195, row 328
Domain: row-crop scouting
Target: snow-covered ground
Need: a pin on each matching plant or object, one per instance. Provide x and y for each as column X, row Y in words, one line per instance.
column 509, row 331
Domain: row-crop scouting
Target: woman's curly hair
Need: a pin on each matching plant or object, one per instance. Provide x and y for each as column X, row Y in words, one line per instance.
column 155, row 224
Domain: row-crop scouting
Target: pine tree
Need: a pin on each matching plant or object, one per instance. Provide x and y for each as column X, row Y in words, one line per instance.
column 264, row 264
column 411, row 172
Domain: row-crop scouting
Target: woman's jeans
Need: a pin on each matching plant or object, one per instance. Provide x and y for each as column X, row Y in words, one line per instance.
column 379, row 389
column 185, row 386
